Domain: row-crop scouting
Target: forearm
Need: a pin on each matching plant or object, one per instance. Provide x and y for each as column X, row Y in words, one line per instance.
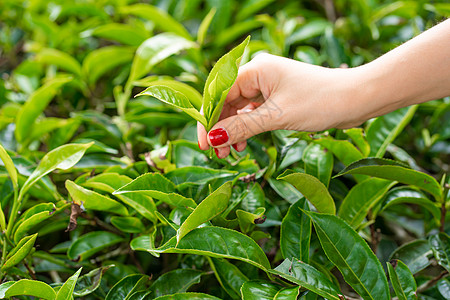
column 414, row 72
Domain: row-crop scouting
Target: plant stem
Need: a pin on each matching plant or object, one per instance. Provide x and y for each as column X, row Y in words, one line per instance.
column 431, row 282
column 443, row 208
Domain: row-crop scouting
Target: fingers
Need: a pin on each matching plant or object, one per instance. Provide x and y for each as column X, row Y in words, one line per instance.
column 202, row 138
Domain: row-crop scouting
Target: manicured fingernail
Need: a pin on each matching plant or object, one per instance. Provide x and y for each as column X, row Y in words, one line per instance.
column 235, row 147
column 217, row 152
column 198, row 143
column 218, row 136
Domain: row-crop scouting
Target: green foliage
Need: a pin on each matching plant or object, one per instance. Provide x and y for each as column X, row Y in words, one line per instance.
column 103, row 196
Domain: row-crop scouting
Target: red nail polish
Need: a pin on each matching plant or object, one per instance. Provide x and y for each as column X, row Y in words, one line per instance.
column 217, row 152
column 235, row 147
column 218, row 136
column 198, row 143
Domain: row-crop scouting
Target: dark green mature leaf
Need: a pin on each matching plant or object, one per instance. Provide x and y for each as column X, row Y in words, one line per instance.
column 176, row 98
column 308, row 277
column 383, row 130
column 128, row 224
column 344, row 151
column 157, row 186
column 318, row 162
column 440, row 245
column 210, row 241
column 60, row 59
column 263, row 290
column 416, row 255
column 89, row 282
column 254, row 199
column 194, row 175
column 127, row 286
column 66, row 291
column 36, row 104
column 188, row 296
column 312, row 189
column 176, row 281
column 93, row 200
column 392, row 170
column 361, row 198
column 295, row 233
column 219, row 82
column 91, row 243
column 210, row 207
column 352, row 256
column 443, row 285
column 285, row 190
column 228, row 276
column 28, row 287
column 402, row 280
column 19, row 252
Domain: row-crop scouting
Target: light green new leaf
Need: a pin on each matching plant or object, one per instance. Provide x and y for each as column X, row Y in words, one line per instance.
column 175, row 98
column 33, row 288
column 359, row 266
column 160, row 18
column 361, row 198
column 318, row 162
column 247, row 220
column 194, row 175
column 228, row 276
column 66, row 291
column 308, row 277
column 122, row 33
column 402, row 280
column 313, row 190
column 60, row 59
column 63, row 157
column 176, row 281
column 29, row 223
column 204, row 25
column 295, row 232
column 392, row 170
column 219, row 82
column 384, row 129
column 123, row 289
column 210, row 241
column 344, row 151
column 440, row 245
column 19, row 252
column 91, row 243
column 157, row 186
column 210, row 207
column 9, row 165
column 93, row 200
column 36, row 104
column 359, row 138
column 188, row 296
column 100, row 61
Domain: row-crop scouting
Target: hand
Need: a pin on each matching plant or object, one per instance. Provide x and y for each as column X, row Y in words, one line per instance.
column 273, row 92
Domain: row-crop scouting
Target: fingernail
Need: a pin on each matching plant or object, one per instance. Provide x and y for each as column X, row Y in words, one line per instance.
column 218, row 136
column 235, row 147
column 198, row 143
column 217, row 152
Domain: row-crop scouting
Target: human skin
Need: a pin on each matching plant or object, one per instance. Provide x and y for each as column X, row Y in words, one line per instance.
column 273, row 92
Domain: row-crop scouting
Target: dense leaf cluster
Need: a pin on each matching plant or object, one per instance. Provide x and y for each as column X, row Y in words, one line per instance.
column 103, row 196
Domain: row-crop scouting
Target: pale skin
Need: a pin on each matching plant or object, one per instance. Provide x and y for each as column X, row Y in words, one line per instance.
column 273, row 92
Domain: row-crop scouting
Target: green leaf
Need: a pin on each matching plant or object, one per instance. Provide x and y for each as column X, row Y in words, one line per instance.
column 219, row 82
column 384, row 129
column 318, row 162
column 4, row 288
column 95, row 201
column 66, row 291
column 308, row 277
column 313, row 28
column 440, row 245
column 228, row 275
column 352, row 256
column 359, row 138
column 107, row 182
column 19, row 252
column 29, row 223
column 254, row 199
column 344, row 151
column 28, row 287
column 210, row 207
column 194, row 175
column 288, row 294
column 247, row 220
column 100, row 61
column 312, row 189
column 36, row 104
column 443, row 285
column 361, row 198
column 60, row 59
column 402, row 280
column 173, row 97
column 416, row 255
column 63, row 157
column 285, row 190
column 91, row 243
column 9, row 165
column 176, row 281
column 392, row 170
column 295, row 233
column 263, row 290
column 187, row 296
column 157, row 186
column 122, row 33
column 250, row 8
column 89, row 282
column 128, row 224
column 127, row 286
column 160, row 18
column 204, row 25
column 210, row 241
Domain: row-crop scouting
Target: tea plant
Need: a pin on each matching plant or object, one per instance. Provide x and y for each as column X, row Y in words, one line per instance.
column 107, row 197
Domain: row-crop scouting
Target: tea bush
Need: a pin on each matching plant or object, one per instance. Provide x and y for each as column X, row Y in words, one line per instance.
column 104, row 196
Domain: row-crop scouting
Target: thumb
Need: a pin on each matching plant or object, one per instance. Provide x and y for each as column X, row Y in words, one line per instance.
column 243, row 126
